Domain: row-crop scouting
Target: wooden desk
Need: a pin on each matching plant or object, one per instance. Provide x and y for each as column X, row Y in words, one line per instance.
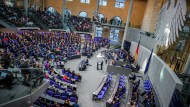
column 109, row 101
column 95, row 94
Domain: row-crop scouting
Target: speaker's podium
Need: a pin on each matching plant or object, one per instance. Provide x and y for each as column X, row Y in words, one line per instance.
column 98, row 65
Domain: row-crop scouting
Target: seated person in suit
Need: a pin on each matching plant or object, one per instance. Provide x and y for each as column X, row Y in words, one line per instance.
column 26, row 72
column 75, row 104
column 115, row 101
column 112, row 62
column 63, row 70
column 56, row 104
column 52, row 71
column 137, row 67
column 108, row 46
column 74, row 95
column 86, row 61
column 71, row 80
column 133, row 104
column 122, row 89
column 64, row 86
column 128, row 66
column 73, row 72
column 78, row 52
column 38, row 63
column 58, row 63
column 9, row 80
column 47, row 65
column 134, row 96
column 136, row 86
column 132, row 77
column 68, row 70
column 67, row 103
column 79, row 76
column 1, row 65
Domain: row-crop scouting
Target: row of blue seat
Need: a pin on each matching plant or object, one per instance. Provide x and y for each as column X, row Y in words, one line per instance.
column 71, row 75
column 147, row 85
column 105, row 87
column 120, row 91
column 61, row 96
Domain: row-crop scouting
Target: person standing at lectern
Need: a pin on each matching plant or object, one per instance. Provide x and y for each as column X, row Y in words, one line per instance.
column 106, row 60
column 102, row 64
column 97, row 65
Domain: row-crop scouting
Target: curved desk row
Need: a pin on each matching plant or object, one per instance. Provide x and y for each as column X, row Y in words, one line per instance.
column 70, row 57
column 62, row 82
column 110, row 100
column 95, row 94
column 52, row 98
column 84, row 53
column 129, row 93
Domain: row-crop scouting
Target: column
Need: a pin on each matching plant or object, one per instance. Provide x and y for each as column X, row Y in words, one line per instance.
column 151, row 14
column 187, row 66
column 26, row 3
column 63, row 13
column 94, row 25
column 148, row 16
column 97, row 6
column 43, row 4
column 127, row 22
column 93, row 30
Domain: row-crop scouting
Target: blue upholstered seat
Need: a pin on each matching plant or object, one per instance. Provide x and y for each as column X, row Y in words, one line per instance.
column 72, row 99
column 117, row 104
column 50, row 93
column 51, row 82
column 76, row 78
column 64, row 97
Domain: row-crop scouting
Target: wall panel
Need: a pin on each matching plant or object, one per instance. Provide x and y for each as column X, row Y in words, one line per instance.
column 108, row 11
column 164, row 80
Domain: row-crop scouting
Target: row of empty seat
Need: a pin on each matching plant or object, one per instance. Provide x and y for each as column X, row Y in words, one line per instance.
column 103, row 87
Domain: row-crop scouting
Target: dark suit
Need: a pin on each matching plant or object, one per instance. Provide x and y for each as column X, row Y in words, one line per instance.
column 102, row 64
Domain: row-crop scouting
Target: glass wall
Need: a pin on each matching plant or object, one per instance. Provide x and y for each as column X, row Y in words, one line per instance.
column 114, row 33
column 177, row 53
column 98, row 32
column 83, row 14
